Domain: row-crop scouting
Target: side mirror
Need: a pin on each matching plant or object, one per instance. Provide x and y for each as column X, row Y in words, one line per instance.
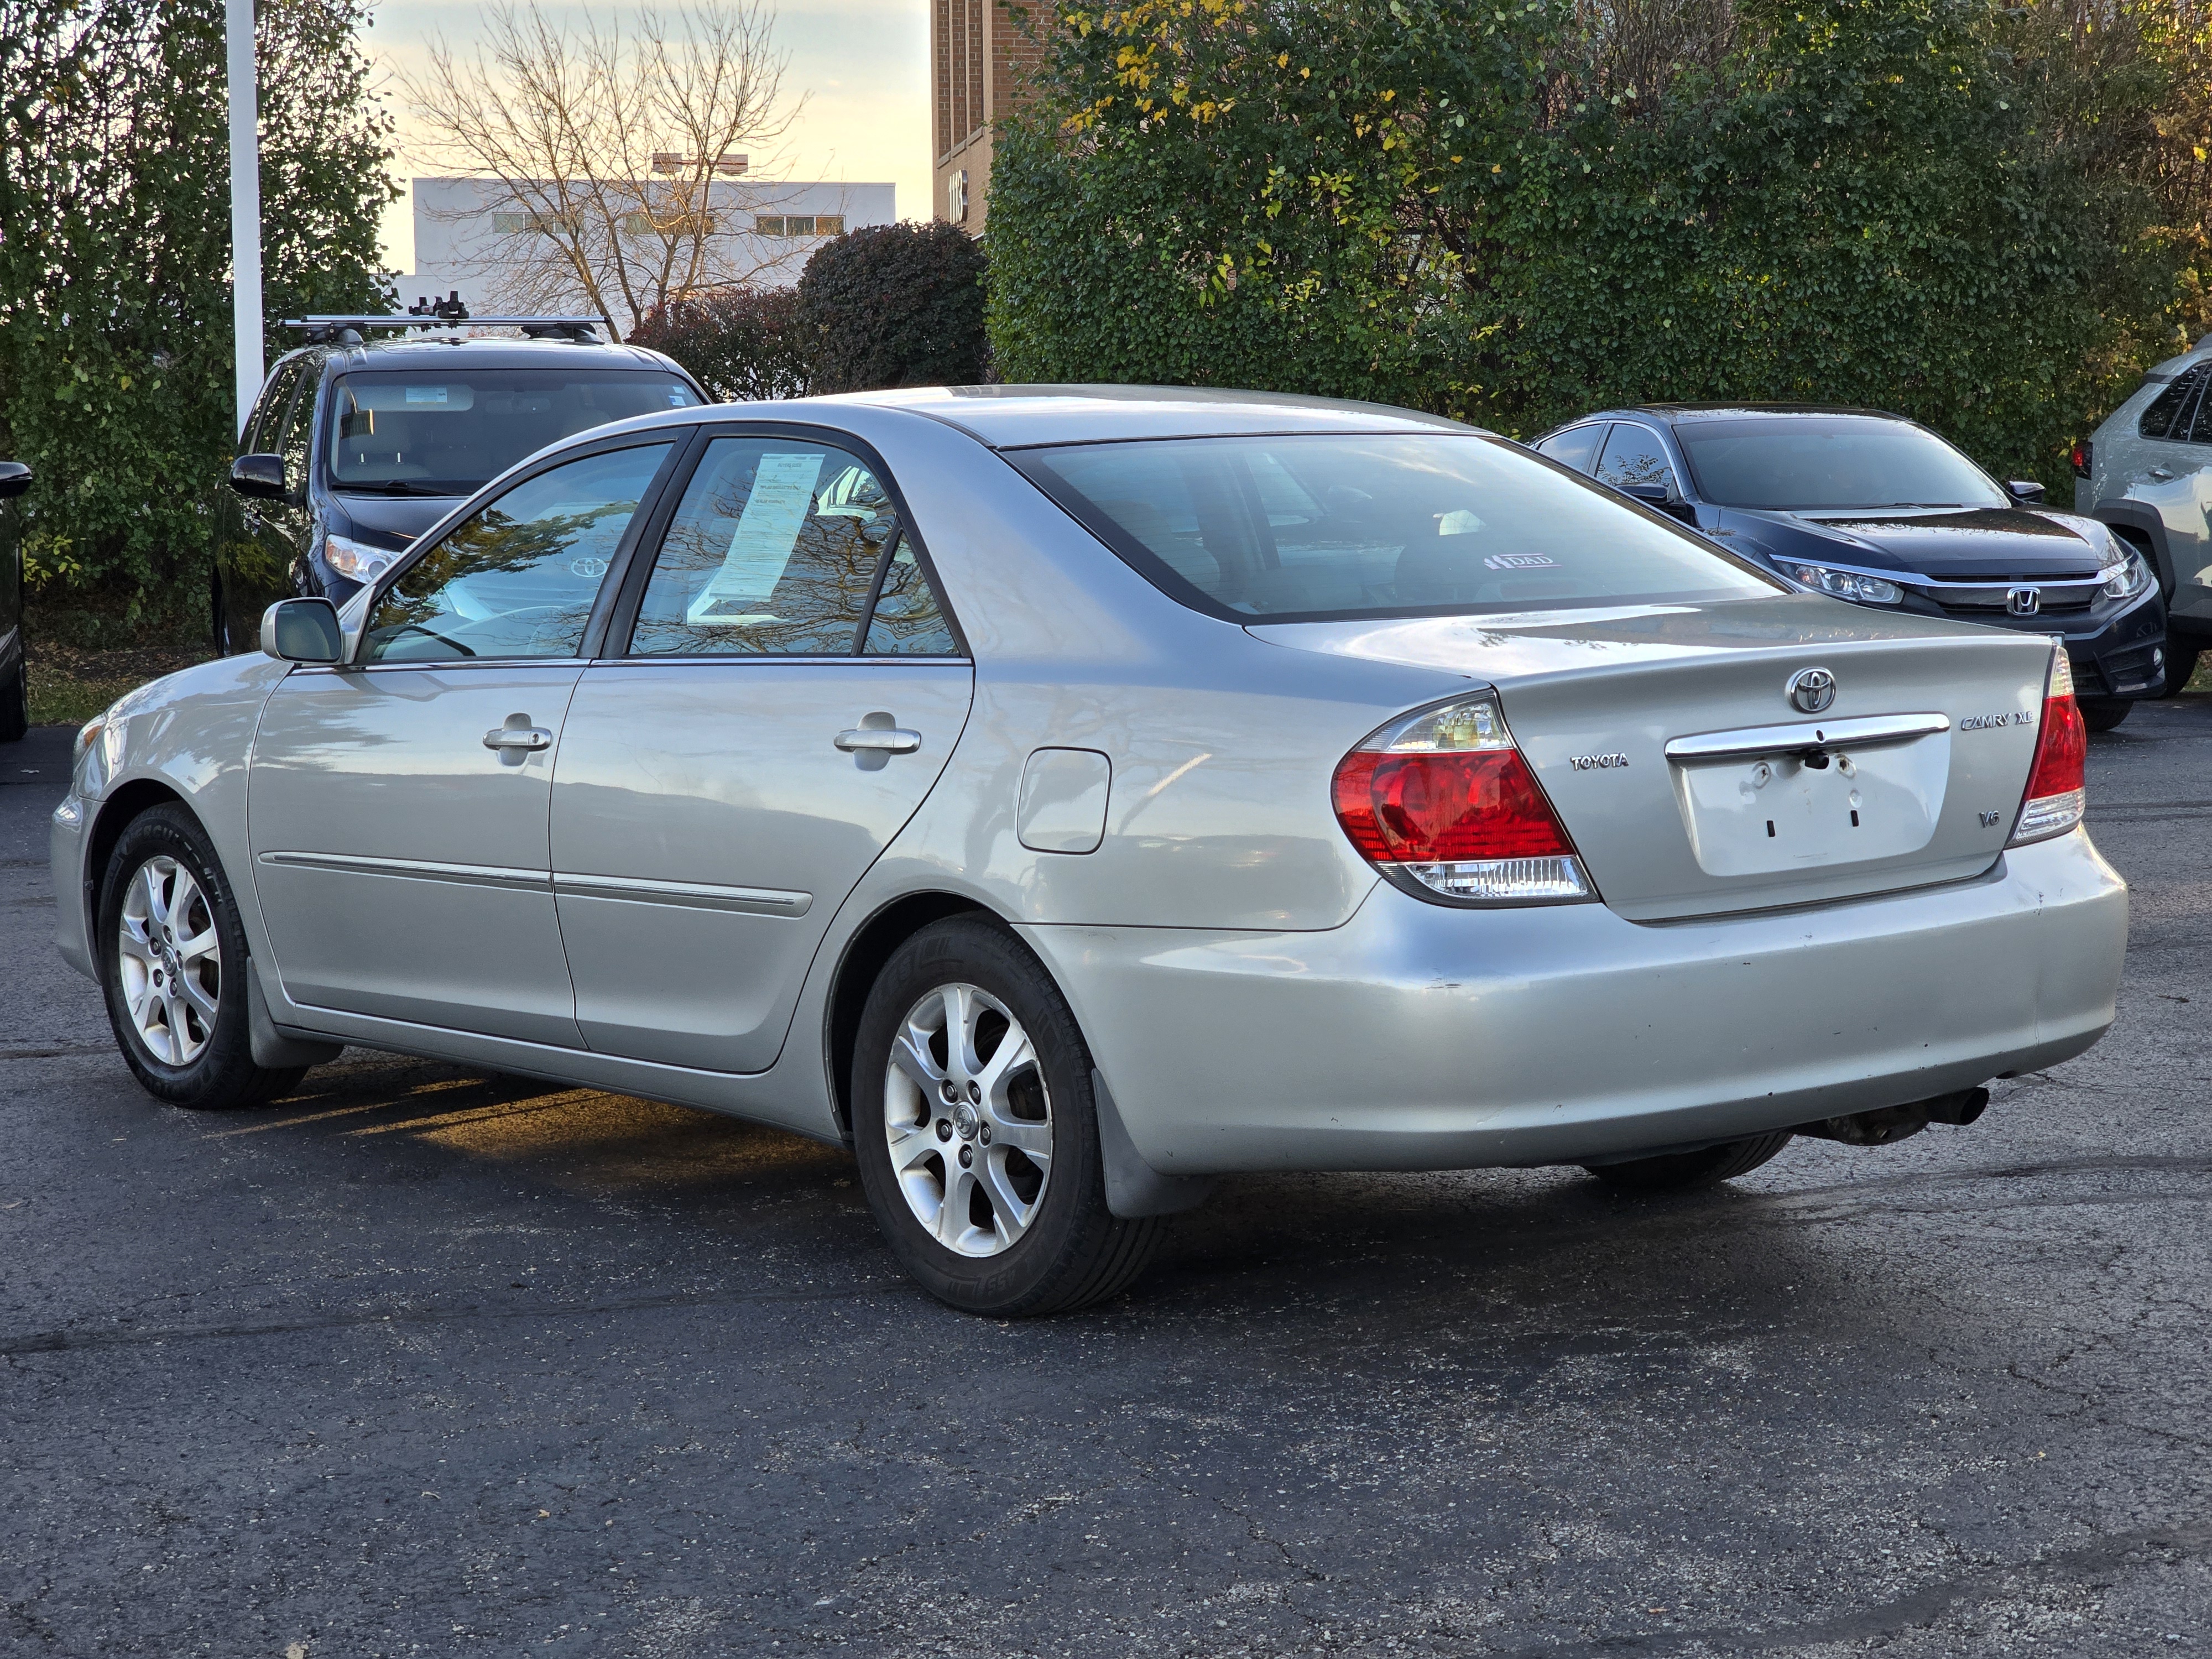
column 2025, row 489
column 1652, row 494
column 260, row 478
column 15, row 479
column 302, row 630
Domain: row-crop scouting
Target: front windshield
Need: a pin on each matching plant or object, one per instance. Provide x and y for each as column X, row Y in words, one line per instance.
column 1347, row 525
column 1813, row 463
column 432, row 432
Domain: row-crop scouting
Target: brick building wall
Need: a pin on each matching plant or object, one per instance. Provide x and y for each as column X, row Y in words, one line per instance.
column 980, row 65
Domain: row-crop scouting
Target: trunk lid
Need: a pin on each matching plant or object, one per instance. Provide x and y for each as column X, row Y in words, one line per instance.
column 1912, row 775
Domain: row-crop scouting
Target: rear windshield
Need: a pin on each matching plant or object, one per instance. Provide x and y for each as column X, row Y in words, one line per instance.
column 1324, row 526
column 429, row 434
column 1809, row 462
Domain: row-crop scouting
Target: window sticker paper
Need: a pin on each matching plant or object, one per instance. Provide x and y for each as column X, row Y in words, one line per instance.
column 767, row 532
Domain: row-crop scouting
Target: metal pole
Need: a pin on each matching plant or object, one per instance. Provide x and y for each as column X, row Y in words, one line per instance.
column 245, row 204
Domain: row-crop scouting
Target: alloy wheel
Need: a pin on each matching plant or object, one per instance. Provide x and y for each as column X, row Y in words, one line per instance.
column 968, row 1120
column 170, row 960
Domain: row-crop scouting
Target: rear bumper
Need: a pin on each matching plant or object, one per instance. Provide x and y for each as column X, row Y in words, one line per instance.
column 1422, row 1038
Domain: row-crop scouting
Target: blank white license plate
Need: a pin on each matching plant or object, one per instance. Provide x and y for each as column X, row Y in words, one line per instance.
column 1754, row 817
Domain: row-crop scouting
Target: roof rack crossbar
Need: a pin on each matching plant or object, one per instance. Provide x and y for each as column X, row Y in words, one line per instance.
column 442, row 322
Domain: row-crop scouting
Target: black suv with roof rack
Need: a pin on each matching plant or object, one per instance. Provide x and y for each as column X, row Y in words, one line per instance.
column 359, row 443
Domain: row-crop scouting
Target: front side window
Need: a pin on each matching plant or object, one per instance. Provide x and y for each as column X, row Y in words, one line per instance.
column 518, row 578
column 1327, row 526
column 266, row 428
column 1634, row 455
column 774, row 551
column 1576, row 447
column 1789, row 463
column 433, row 432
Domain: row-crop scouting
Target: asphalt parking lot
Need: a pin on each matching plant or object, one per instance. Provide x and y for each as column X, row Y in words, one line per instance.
column 420, row 1361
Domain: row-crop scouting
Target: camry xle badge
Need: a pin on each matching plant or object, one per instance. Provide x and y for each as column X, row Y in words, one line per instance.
column 2023, row 601
column 1812, row 690
column 1592, row 762
column 1984, row 722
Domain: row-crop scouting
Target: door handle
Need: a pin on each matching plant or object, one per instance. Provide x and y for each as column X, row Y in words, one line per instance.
column 517, row 737
column 2159, row 475
column 879, row 740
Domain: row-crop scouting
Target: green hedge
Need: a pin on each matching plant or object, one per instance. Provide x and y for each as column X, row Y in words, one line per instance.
column 1946, row 208
column 115, row 305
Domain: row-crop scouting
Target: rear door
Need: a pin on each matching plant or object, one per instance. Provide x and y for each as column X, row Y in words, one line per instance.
column 2171, row 473
column 791, row 688
column 397, row 808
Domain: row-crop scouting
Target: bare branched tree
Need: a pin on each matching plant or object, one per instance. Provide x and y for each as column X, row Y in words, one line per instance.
column 610, row 147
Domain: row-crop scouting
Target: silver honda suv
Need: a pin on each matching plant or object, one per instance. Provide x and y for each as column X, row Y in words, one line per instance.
column 2146, row 473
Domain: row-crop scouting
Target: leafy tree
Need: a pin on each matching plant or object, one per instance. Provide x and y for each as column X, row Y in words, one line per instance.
column 1960, row 210
column 743, row 343
column 115, row 313
column 895, row 305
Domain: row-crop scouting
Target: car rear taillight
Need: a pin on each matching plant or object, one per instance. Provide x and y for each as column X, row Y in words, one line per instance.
column 2055, row 798
column 2080, row 458
column 1442, row 804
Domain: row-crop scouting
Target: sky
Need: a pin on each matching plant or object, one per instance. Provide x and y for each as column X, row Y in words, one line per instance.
column 862, row 64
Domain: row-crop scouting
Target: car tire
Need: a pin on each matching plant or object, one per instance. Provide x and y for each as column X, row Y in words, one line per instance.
column 1674, row 1171
column 2103, row 714
column 15, row 704
column 177, row 998
column 976, row 1133
column 2180, row 665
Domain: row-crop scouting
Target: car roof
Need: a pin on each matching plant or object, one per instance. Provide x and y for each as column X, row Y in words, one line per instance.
column 1020, row 416
column 487, row 352
column 1687, row 412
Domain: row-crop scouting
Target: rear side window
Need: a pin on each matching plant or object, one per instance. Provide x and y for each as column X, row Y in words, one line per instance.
column 1316, row 527
column 777, row 549
column 2169, row 412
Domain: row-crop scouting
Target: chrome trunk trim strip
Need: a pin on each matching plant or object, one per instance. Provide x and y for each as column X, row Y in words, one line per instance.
column 1865, row 732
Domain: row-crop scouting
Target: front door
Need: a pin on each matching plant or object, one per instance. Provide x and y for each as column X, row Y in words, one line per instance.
column 397, row 807
column 791, row 691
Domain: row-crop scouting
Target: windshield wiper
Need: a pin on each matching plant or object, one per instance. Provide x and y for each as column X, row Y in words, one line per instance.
column 395, row 487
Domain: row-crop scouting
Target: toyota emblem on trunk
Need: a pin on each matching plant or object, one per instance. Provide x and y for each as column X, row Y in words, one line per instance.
column 1812, row 690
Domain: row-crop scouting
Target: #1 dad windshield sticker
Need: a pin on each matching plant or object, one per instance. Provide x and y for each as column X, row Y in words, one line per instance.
column 767, row 531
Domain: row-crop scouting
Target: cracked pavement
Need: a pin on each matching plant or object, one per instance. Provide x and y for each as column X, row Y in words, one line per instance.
column 420, row 1361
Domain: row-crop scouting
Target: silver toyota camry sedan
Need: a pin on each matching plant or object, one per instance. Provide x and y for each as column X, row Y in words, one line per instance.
column 1063, row 796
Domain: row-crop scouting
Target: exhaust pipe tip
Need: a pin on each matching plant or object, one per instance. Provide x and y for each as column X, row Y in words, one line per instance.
column 1887, row 1125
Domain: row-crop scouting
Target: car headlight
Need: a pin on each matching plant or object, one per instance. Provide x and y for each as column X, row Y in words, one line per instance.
column 1844, row 584
column 356, row 560
column 2127, row 578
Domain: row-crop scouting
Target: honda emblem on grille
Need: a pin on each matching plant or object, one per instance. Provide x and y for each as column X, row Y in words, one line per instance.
column 1811, row 689
column 2023, row 601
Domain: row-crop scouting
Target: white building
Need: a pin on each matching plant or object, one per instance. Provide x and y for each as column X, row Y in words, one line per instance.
column 468, row 232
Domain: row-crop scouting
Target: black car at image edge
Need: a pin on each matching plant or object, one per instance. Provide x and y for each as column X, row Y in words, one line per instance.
column 1879, row 511
column 356, row 446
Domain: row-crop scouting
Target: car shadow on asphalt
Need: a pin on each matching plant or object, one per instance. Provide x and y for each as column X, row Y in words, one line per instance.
column 1417, row 1245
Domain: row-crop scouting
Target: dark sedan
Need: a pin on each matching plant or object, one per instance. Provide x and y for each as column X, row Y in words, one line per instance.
column 1879, row 511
